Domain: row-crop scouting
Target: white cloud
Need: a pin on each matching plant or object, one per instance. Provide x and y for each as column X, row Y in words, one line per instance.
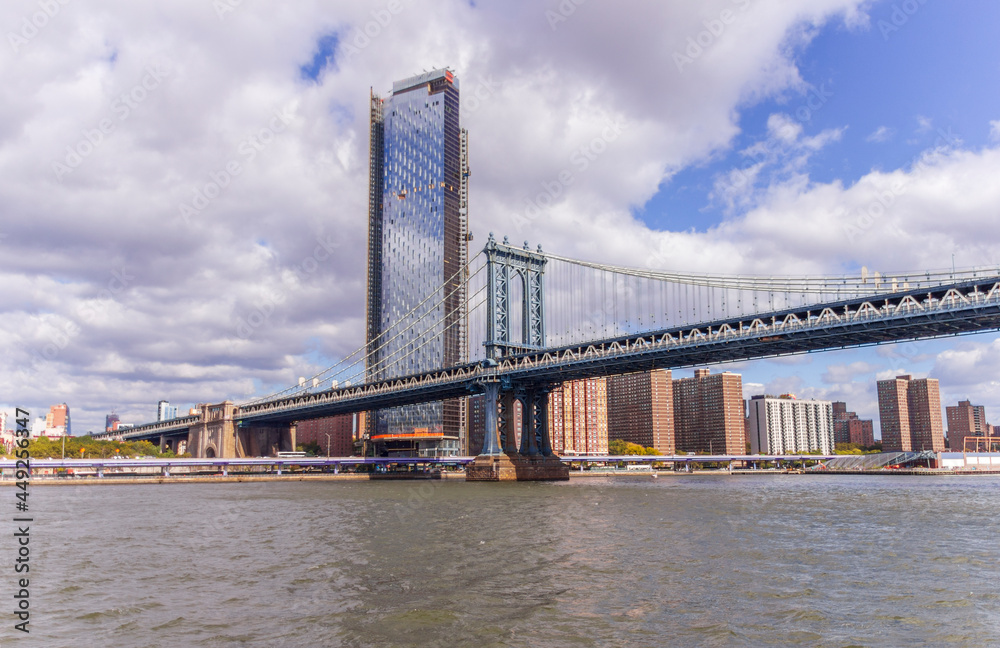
column 881, row 134
column 783, row 128
column 971, row 364
column 779, row 160
column 839, row 374
column 995, row 130
column 889, row 374
column 886, row 220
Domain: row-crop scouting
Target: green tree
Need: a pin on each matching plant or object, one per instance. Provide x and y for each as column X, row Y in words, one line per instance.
column 617, row 447
column 311, row 448
column 90, row 448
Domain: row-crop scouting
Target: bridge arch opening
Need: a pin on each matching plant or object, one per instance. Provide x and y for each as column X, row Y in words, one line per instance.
column 516, row 305
column 210, row 452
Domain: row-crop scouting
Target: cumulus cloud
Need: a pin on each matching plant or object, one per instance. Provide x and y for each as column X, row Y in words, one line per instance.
column 779, row 161
column 971, row 364
column 881, row 134
column 839, row 374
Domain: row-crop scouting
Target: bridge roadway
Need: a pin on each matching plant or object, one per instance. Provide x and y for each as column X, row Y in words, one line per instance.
column 284, row 463
column 962, row 308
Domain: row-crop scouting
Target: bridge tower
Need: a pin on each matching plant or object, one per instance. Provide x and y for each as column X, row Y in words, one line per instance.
column 510, row 268
column 515, row 286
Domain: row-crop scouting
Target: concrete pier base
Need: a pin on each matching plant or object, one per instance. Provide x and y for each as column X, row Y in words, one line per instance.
column 516, row 467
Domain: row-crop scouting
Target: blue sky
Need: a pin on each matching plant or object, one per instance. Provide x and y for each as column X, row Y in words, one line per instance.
column 896, row 90
column 183, row 189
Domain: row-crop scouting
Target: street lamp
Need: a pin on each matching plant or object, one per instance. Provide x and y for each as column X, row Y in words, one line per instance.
column 327, row 444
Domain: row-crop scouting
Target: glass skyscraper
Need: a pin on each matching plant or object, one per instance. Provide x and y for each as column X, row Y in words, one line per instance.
column 417, row 250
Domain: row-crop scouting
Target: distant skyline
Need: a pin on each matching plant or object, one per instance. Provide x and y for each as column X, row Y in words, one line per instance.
column 184, row 187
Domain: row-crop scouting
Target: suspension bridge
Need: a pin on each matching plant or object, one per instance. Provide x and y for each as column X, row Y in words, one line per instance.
column 531, row 320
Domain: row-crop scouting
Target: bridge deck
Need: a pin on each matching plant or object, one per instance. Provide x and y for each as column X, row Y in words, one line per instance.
column 967, row 307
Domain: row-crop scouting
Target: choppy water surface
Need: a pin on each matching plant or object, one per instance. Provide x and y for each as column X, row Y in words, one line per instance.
column 675, row 561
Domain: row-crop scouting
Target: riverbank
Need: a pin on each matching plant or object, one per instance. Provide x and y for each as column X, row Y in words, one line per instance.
column 121, row 480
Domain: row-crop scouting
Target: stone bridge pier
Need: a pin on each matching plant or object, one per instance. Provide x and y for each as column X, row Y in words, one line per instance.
column 217, row 434
column 501, row 459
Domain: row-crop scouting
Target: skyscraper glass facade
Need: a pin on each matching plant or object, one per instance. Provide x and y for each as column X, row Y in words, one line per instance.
column 418, row 232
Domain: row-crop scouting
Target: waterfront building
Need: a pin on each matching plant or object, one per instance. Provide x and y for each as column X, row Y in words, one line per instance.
column 165, row 411
column 910, row 414
column 709, row 413
column 342, row 430
column 7, row 437
column 57, row 421
column 38, row 427
column 578, row 417
column 641, row 409
column 965, row 419
column 848, row 428
column 417, row 248
column 860, row 431
column 786, row 425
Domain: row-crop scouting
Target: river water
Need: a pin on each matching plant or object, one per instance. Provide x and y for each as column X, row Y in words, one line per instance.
column 783, row 560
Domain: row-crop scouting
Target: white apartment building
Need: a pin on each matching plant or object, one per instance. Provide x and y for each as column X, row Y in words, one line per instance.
column 789, row 426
